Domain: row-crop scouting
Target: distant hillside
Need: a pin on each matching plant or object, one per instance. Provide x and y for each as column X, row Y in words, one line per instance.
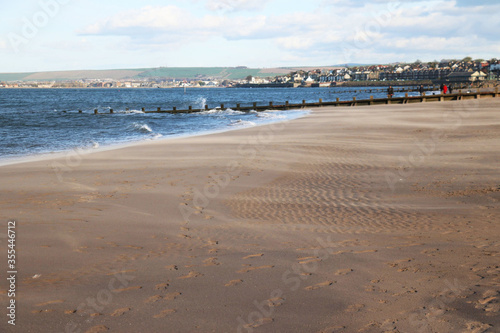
column 159, row 73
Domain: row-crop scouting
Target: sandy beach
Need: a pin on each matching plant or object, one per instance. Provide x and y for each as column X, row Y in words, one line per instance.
column 363, row 219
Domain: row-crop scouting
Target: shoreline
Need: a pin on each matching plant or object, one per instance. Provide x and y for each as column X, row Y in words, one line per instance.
column 362, row 219
column 78, row 151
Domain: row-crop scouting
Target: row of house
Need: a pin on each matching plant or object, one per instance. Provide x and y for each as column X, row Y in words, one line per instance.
column 446, row 70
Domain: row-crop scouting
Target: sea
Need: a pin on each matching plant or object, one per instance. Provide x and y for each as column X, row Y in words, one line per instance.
column 47, row 121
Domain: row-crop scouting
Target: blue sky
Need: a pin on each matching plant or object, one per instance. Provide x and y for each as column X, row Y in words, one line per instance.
column 42, row 35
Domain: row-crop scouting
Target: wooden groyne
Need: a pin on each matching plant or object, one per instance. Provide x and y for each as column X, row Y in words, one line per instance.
column 337, row 103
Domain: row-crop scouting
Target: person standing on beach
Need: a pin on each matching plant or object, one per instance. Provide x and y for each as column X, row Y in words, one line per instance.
column 445, row 89
column 441, row 87
column 390, row 92
column 421, row 89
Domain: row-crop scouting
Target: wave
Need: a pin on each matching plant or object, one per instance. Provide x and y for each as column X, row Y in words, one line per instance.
column 143, row 128
column 155, row 136
column 131, row 112
column 245, row 123
column 201, row 102
column 272, row 115
column 220, row 112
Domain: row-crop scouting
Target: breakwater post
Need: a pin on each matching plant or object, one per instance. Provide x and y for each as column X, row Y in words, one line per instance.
column 406, row 99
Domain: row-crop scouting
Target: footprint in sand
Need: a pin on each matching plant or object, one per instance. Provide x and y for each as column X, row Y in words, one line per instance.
column 259, row 323
column 162, row 286
column 127, row 289
column 365, row 251
column 172, row 296
column 344, row 271
column 254, row 256
column 308, row 260
column 164, row 313
column 275, row 302
column 249, row 269
column 191, row 274
column 97, row 329
column 134, row 247
column 172, row 267
column 477, row 327
column 398, row 262
column 332, row 329
column 42, row 311
column 211, row 262
column 233, row 283
column 355, row 307
column 320, row 285
column 490, row 302
column 50, row 302
column 153, row 299
column 120, row 312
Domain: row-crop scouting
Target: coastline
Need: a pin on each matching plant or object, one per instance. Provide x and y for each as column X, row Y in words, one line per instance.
column 348, row 219
column 79, row 151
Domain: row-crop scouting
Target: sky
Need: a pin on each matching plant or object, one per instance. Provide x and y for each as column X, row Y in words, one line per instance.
column 46, row 35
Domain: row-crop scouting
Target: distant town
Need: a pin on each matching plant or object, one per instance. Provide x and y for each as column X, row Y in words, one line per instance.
column 450, row 71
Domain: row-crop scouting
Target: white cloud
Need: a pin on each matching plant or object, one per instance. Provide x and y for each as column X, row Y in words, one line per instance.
column 172, row 24
column 236, row 5
column 341, row 33
column 159, row 18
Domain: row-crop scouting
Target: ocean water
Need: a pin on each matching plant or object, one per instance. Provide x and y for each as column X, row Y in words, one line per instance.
column 40, row 121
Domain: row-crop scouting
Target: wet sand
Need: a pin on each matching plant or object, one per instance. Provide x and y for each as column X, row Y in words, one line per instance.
column 365, row 219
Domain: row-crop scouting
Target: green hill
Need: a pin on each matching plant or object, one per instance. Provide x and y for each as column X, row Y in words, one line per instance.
column 143, row 73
